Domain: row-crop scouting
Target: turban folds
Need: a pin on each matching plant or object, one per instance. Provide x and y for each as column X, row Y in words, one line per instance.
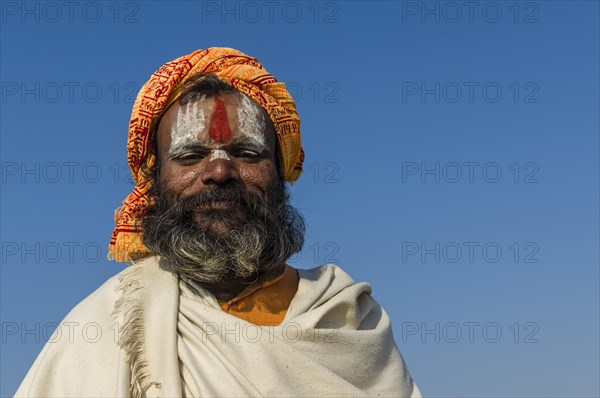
column 241, row 71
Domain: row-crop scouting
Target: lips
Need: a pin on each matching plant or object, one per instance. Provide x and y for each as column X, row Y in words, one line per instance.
column 221, row 204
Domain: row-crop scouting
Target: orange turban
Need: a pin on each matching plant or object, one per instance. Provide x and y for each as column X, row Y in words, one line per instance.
column 241, row 71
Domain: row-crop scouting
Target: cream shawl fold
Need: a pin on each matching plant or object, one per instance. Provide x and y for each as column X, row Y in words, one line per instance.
column 145, row 333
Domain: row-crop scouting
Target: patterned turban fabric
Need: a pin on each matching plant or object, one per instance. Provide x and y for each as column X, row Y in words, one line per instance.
column 241, row 71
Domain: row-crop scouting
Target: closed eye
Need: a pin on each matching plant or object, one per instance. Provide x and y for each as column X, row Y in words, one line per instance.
column 247, row 155
column 186, row 157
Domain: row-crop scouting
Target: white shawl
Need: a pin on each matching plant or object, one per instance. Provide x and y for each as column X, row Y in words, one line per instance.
column 145, row 333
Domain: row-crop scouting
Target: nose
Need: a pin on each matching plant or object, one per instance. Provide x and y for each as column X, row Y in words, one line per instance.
column 220, row 172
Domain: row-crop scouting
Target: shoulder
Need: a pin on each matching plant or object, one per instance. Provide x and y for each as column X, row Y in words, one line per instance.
column 327, row 272
column 82, row 357
column 86, row 336
column 100, row 304
column 95, row 311
column 92, row 324
column 332, row 277
column 328, row 286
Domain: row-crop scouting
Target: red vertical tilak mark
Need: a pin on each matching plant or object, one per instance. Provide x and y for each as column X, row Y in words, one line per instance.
column 219, row 129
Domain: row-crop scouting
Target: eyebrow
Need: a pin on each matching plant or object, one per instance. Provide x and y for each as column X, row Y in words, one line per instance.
column 187, row 147
column 248, row 143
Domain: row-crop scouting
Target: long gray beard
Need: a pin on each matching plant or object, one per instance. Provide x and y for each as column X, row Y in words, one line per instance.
column 263, row 233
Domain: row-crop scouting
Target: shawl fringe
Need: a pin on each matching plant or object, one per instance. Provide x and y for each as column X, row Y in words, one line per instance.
column 129, row 309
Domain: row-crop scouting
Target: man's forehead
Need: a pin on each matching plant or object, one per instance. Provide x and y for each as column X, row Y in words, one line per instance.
column 240, row 111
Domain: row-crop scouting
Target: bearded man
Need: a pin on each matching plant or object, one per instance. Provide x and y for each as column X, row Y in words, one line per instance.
column 209, row 306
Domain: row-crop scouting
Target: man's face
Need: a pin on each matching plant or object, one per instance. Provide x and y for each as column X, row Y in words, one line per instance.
column 226, row 141
column 220, row 207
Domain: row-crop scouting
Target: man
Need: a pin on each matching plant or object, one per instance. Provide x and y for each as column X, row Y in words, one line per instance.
column 209, row 306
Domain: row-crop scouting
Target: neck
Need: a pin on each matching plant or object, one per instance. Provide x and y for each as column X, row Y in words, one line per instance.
column 231, row 285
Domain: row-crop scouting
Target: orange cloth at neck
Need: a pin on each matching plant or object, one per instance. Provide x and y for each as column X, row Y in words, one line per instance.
column 266, row 301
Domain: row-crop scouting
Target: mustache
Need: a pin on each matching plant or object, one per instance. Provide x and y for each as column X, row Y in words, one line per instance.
column 210, row 197
column 201, row 202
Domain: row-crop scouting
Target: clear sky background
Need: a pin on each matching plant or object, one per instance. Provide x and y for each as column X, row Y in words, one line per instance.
column 451, row 161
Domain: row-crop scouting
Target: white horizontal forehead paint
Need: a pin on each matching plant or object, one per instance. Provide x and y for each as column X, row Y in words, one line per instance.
column 251, row 120
column 218, row 154
column 191, row 121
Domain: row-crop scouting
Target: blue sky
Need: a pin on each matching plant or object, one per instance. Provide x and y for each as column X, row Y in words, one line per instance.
column 451, row 161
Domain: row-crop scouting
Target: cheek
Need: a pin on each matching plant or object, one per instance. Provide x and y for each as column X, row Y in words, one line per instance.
column 259, row 174
column 188, row 177
column 176, row 180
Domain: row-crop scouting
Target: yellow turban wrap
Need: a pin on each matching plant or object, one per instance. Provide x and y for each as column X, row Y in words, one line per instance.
column 241, row 71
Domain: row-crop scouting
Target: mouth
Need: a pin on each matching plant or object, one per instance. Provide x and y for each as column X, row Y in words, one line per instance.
column 221, row 205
